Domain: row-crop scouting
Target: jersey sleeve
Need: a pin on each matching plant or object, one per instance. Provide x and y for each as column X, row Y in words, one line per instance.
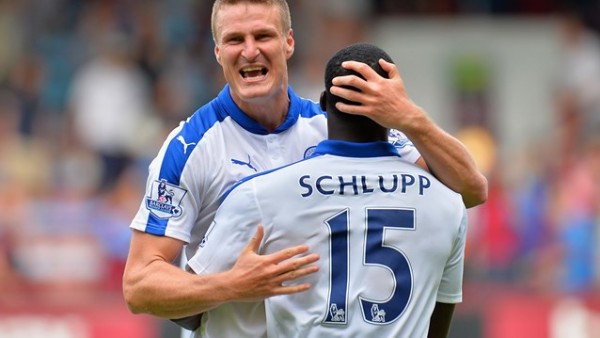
column 450, row 289
column 407, row 150
column 170, row 204
column 234, row 225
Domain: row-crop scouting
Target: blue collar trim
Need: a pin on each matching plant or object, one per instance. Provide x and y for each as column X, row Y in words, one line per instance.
column 226, row 102
column 353, row 149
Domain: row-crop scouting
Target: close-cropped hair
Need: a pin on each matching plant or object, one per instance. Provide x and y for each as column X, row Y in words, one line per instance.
column 361, row 52
column 284, row 9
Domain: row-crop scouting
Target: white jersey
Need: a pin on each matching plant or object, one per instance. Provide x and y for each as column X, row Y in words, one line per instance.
column 217, row 146
column 390, row 237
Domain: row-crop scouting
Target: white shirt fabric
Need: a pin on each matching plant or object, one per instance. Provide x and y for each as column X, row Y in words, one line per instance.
column 111, row 104
column 390, row 237
column 217, row 146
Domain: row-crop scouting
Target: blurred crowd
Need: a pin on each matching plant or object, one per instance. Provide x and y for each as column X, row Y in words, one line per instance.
column 89, row 90
column 540, row 227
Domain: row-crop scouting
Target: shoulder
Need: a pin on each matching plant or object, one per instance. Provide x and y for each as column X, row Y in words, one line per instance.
column 307, row 108
column 185, row 138
column 311, row 109
column 263, row 179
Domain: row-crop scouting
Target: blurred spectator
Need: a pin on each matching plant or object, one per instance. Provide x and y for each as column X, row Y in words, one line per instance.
column 575, row 215
column 25, row 163
column 109, row 223
column 494, row 242
column 11, row 36
column 25, row 81
column 109, row 99
column 429, row 7
column 326, row 27
column 580, row 83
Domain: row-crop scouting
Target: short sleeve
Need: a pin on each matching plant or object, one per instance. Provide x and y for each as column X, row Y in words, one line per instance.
column 450, row 290
column 405, row 147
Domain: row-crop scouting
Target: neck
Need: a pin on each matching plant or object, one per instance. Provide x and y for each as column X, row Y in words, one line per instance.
column 269, row 116
column 351, row 131
column 270, row 112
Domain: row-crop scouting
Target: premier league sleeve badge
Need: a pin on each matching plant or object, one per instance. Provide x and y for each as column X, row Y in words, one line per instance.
column 165, row 199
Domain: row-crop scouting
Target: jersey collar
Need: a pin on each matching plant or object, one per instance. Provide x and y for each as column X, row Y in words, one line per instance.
column 353, row 149
column 227, row 103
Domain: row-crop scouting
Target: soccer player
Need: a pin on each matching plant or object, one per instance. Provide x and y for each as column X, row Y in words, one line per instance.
column 257, row 123
column 391, row 237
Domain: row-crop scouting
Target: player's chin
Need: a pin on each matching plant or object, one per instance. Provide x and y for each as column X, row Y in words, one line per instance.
column 256, row 90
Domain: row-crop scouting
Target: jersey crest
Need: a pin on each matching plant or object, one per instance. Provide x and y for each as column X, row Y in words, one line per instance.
column 165, row 199
column 397, row 139
column 309, row 151
column 336, row 315
column 377, row 315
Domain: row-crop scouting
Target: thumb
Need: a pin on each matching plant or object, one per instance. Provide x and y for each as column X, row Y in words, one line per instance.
column 254, row 243
column 389, row 68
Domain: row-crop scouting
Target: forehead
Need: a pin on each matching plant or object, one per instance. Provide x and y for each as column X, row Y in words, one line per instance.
column 247, row 17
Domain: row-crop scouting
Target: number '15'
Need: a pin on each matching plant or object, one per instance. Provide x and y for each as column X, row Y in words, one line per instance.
column 375, row 252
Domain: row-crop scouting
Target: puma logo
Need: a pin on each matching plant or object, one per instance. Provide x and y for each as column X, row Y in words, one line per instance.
column 248, row 164
column 185, row 145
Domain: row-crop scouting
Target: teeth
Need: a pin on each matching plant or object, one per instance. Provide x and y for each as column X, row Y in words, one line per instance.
column 252, row 69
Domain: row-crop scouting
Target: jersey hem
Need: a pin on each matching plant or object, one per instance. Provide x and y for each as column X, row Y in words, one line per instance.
column 449, row 299
column 147, row 228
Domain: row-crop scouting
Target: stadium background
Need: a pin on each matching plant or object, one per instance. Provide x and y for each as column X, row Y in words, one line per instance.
column 89, row 89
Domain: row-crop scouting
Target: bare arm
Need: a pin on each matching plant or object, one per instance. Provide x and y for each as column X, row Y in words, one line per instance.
column 439, row 325
column 153, row 285
column 386, row 102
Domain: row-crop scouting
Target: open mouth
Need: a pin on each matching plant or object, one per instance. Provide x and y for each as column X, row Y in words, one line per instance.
column 253, row 72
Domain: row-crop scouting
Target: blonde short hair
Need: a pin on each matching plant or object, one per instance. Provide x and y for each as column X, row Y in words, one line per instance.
column 286, row 18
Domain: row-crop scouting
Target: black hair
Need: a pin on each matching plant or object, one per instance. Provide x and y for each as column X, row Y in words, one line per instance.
column 362, row 52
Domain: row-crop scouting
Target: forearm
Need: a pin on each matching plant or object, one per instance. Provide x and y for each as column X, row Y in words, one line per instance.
column 448, row 160
column 385, row 101
column 164, row 290
column 441, row 318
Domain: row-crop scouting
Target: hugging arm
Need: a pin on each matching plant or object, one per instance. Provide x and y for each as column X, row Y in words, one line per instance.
column 153, row 284
column 386, row 101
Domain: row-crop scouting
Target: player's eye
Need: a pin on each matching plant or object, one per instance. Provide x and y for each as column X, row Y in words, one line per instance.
column 233, row 39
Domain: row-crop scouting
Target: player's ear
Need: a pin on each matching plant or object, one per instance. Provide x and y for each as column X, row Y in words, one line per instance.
column 289, row 44
column 323, row 101
column 218, row 54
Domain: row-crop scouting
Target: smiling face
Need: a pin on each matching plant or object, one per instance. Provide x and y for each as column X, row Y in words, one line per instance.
column 252, row 48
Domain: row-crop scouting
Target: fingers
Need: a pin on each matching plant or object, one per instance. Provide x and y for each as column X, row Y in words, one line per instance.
column 350, row 95
column 351, row 109
column 296, row 263
column 254, row 243
column 261, row 276
column 289, row 268
column 296, row 273
column 362, row 68
column 284, row 261
column 368, row 89
column 389, row 68
column 286, row 290
column 293, row 275
column 352, row 80
column 288, row 253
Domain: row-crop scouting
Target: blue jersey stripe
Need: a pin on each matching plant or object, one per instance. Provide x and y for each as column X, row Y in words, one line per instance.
column 299, row 107
column 179, row 150
column 350, row 149
column 191, row 133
